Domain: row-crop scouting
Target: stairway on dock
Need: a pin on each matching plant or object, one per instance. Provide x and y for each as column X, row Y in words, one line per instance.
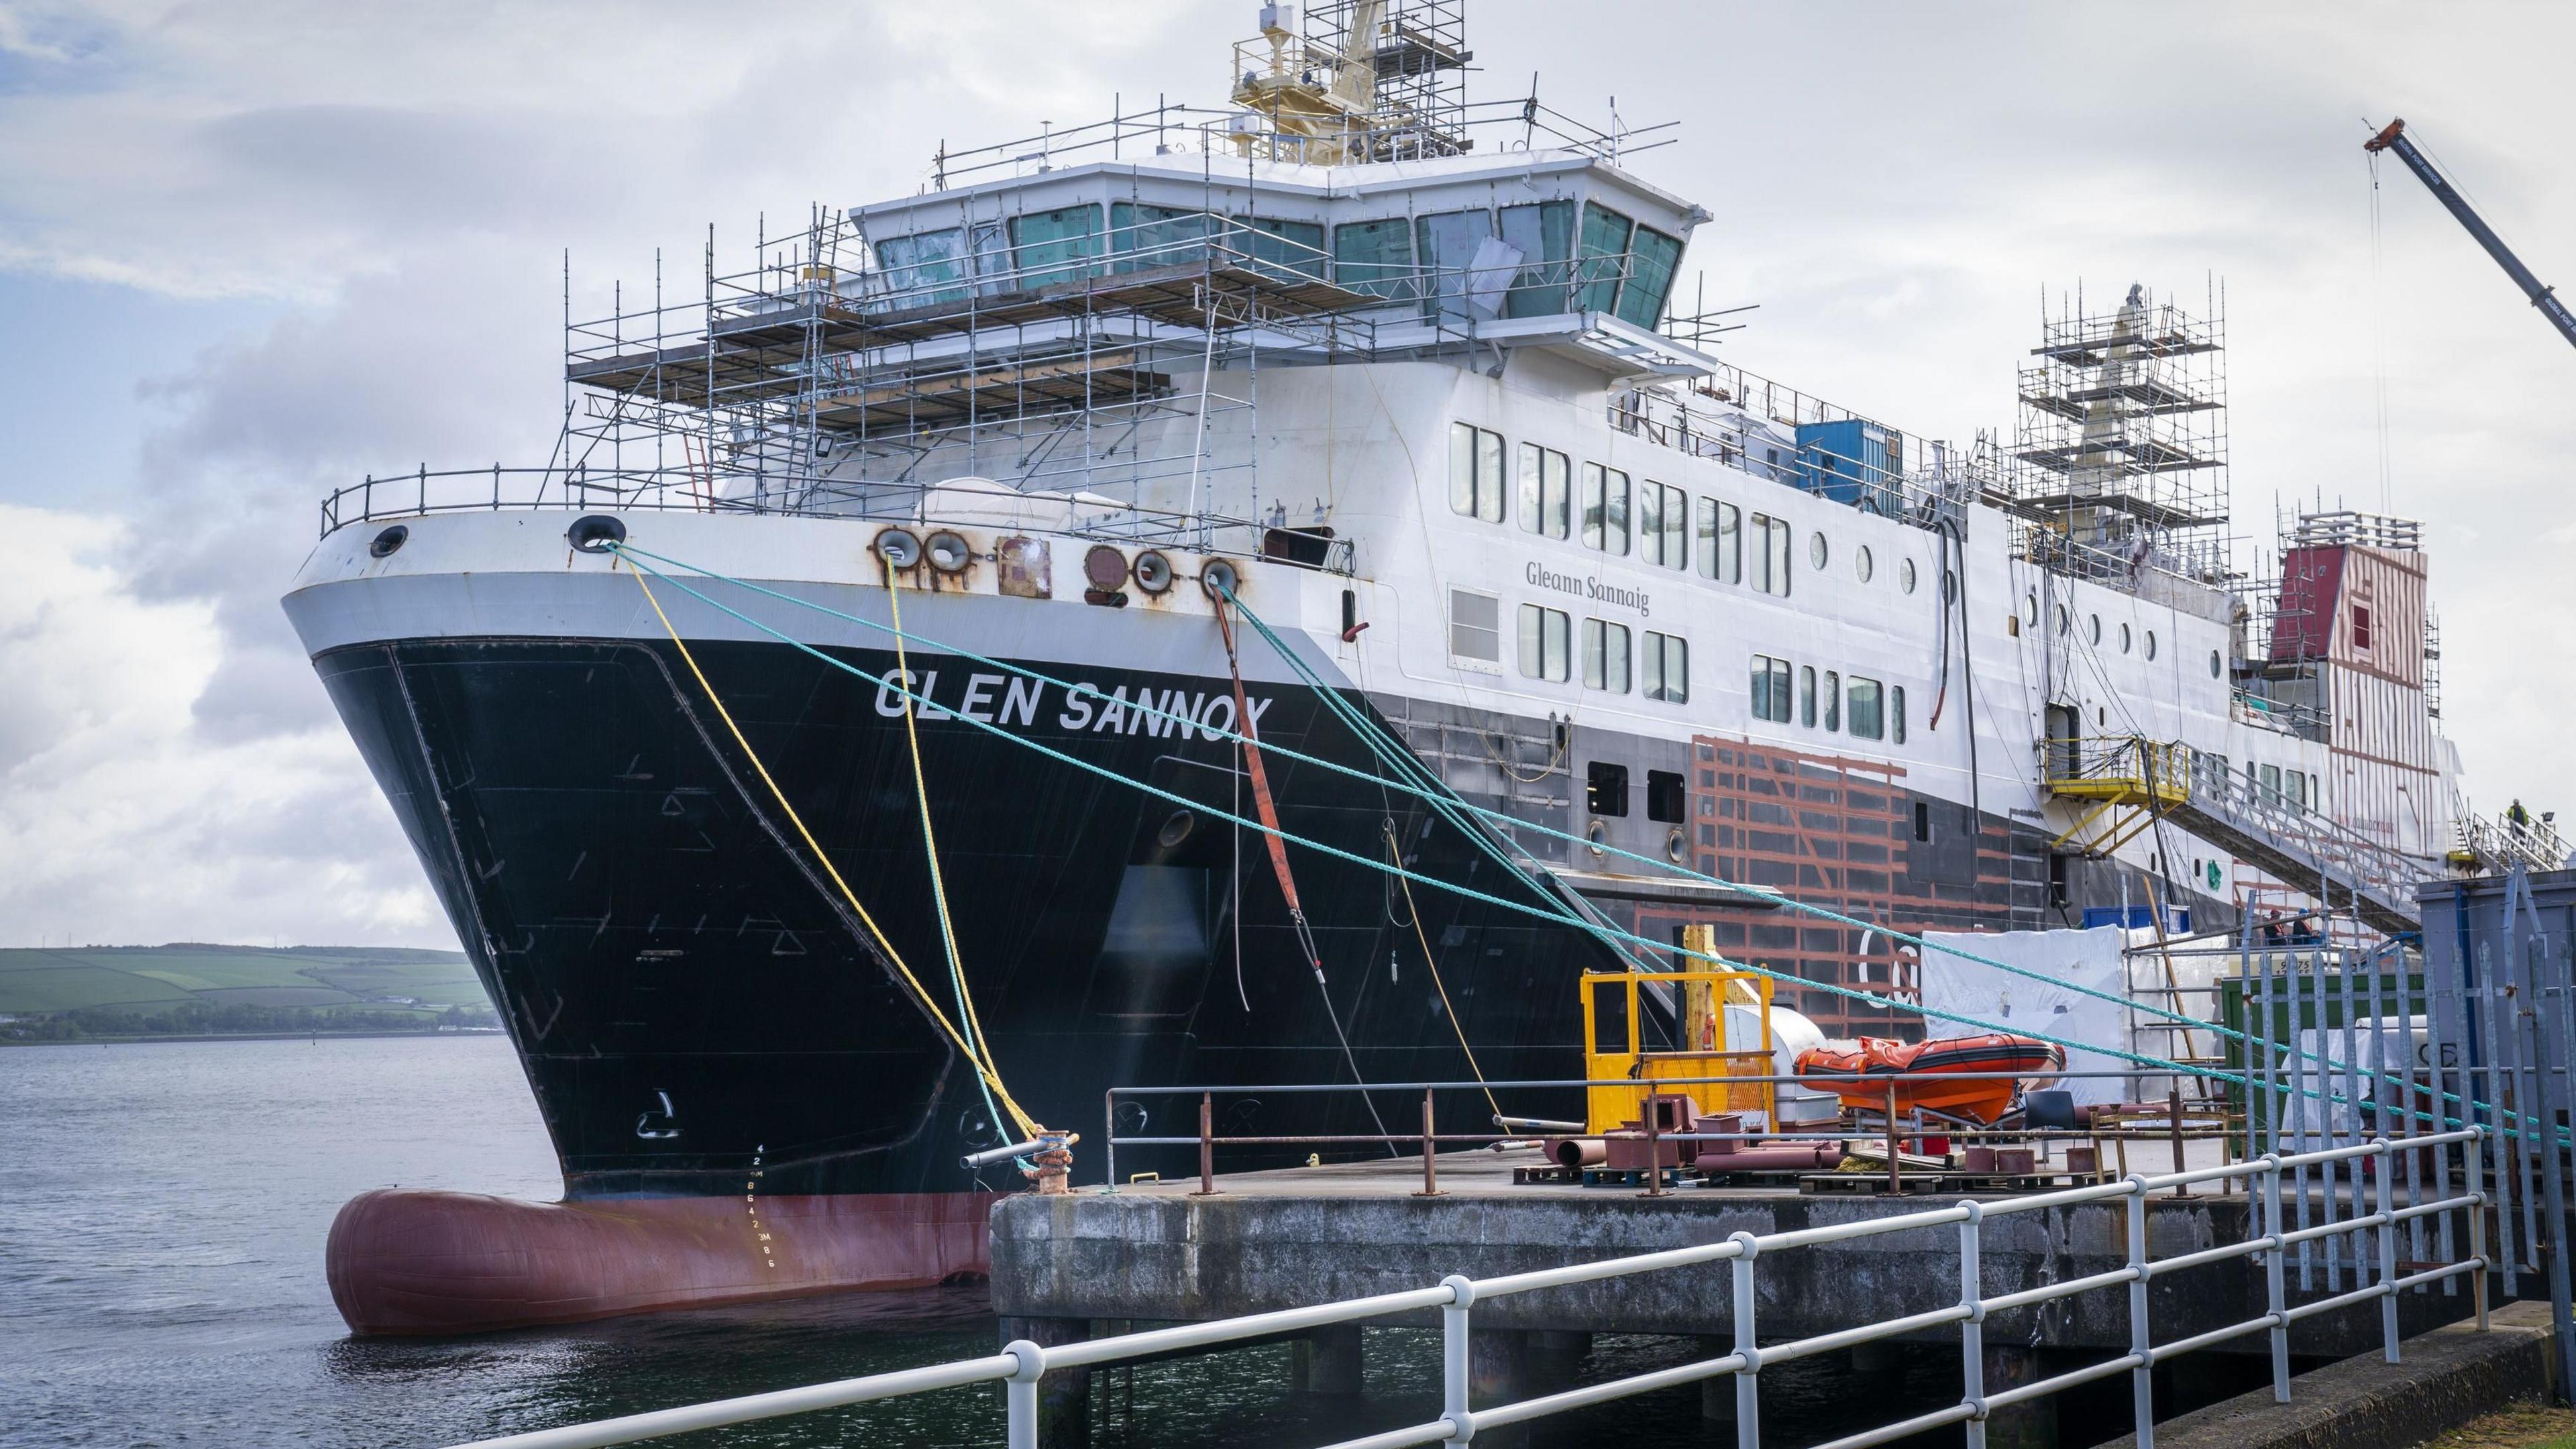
column 2132, row 783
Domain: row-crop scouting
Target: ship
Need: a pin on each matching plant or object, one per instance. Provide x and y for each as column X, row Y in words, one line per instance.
column 1351, row 414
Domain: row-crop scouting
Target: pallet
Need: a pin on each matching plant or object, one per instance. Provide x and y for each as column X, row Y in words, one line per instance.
column 1867, row 1184
column 1545, row 1176
column 1631, row 1177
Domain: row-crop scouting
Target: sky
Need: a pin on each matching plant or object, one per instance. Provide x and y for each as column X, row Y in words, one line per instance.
column 254, row 251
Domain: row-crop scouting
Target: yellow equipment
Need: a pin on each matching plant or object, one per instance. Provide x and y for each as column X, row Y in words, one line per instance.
column 1613, row 1049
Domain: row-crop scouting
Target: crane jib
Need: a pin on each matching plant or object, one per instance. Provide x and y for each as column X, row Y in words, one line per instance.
column 2543, row 297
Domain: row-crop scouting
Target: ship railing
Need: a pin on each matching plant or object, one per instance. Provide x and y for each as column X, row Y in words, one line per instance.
column 2498, row 844
column 2340, row 854
column 426, row 491
column 1021, row 1364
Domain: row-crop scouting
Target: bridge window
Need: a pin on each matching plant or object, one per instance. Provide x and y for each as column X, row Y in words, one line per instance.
column 1546, row 491
column 1604, row 258
column 1446, row 243
column 1144, row 236
column 1543, row 233
column 1475, row 626
column 1651, row 259
column 1475, row 472
column 1376, row 258
column 1055, row 246
column 1721, row 541
column 1605, row 789
column 1665, row 797
column 1605, row 509
column 1663, row 524
column 1546, row 637
column 1283, row 249
column 1667, row 668
column 1868, row 720
column 918, row 268
column 1605, row 656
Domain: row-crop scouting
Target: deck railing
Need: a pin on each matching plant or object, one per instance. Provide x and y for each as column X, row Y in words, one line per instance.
column 1020, row 1364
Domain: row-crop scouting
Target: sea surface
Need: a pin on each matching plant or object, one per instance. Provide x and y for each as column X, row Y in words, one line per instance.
column 162, row 1214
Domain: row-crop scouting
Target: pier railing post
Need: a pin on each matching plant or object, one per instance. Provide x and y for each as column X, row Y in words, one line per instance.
column 2477, row 1216
column 2276, row 1292
column 1748, row 1386
column 1207, row 1144
column 2142, row 1375
column 1430, row 1166
column 1456, row 1365
column 1895, row 1182
column 2387, row 1204
column 1020, row 1393
column 1972, row 1330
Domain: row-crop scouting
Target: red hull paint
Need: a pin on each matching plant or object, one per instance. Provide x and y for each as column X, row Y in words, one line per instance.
column 412, row 1261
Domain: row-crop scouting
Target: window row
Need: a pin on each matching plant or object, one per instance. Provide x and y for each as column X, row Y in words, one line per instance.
column 2144, row 639
column 1866, row 709
column 1529, row 260
column 1657, row 522
column 1612, row 657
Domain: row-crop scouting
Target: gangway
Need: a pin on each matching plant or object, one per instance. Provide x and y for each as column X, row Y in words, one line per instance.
column 2132, row 782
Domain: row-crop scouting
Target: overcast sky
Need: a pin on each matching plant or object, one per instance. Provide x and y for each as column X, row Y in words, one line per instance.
column 252, row 251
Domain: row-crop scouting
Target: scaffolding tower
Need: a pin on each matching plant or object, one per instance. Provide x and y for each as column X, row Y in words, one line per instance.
column 1365, row 80
column 2120, row 456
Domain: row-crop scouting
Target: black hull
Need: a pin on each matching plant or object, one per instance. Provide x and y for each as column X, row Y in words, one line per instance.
column 691, row 997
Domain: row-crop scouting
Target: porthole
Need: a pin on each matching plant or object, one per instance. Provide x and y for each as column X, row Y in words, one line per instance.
column 1863, row 564
column 2215, row 668
column 2030, row 609
column 2124, row 638
column 1817, row 552
column 1905, row 575
column 2061, row 618
column 1949, row 586
column 2151, row 643
column 2093, row 628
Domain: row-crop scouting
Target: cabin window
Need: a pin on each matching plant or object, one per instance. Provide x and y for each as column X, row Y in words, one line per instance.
column 1770, row 689
column 1603, row 258
column 920, row 269
column 1446, row 242
column 1833, row 692
column 1055, row 246
column 1547, row 492
column 2360, row 628
column 1663, row 525
column 1546, row 640
column 1605, row 509
column 1868, row 716
column 1896, row 713
column 1770, row 554
column 1605, row 656
column 1807, row 696
column 1476, row 472
column 1475, row 626
column 1543, row 233
column 1605, row 789
column 2272, row 782
column 1652, row 257
column 1665, row 796
column 1376, row 258
column 1666, row 668
column 1281, row 249
column 1144, row 237
column 2297, row 781
column 1721, row 541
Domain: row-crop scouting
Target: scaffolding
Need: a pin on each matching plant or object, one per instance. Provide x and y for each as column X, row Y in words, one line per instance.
column 2120, row 454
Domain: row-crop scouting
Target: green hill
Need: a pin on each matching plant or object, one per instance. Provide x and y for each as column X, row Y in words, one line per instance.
column 194, row 988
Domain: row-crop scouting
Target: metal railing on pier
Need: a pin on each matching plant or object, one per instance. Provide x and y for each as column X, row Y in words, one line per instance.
column 1020, row 1364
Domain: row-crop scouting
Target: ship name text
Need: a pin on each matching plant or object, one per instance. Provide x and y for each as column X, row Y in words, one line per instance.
column 1017, row 703
column 1541, row 576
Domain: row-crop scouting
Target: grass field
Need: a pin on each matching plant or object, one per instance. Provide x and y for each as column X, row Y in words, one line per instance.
column 36, row 981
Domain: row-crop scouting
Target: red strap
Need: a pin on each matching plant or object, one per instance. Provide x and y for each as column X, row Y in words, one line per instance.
column 1260, row 778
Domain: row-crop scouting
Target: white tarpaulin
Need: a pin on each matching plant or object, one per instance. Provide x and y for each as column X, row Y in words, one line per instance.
column 2043, row 1008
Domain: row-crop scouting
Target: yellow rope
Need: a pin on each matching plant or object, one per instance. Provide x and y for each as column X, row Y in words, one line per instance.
column 891, row 955
column 1395, row 848
column 930, row 848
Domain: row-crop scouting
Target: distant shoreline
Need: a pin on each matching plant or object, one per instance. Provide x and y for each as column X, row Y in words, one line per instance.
column 84, row 1041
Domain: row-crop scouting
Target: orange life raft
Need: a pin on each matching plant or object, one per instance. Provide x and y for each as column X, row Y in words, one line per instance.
column 1861, row 1077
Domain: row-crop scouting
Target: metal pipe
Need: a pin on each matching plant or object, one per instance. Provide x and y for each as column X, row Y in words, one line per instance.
column 2142, row 1379
column 1430, row 1156
column 1748, row 1388
column 1207, row 1144
column 1972, row 1329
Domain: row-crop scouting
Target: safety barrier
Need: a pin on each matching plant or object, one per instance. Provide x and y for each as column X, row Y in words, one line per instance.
column 1020, row 1365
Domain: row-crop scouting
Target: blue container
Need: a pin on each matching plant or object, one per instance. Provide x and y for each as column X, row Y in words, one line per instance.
column 2138, row 918
column 1853, row 461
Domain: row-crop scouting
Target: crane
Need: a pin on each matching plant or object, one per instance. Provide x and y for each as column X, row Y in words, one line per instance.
column 2393, row 138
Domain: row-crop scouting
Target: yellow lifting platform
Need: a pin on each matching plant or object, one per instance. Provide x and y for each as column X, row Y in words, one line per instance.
column 2130, row 780
column 1614, row 1047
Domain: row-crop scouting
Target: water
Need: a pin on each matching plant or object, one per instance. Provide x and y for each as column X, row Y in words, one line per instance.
column 162, row 1215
